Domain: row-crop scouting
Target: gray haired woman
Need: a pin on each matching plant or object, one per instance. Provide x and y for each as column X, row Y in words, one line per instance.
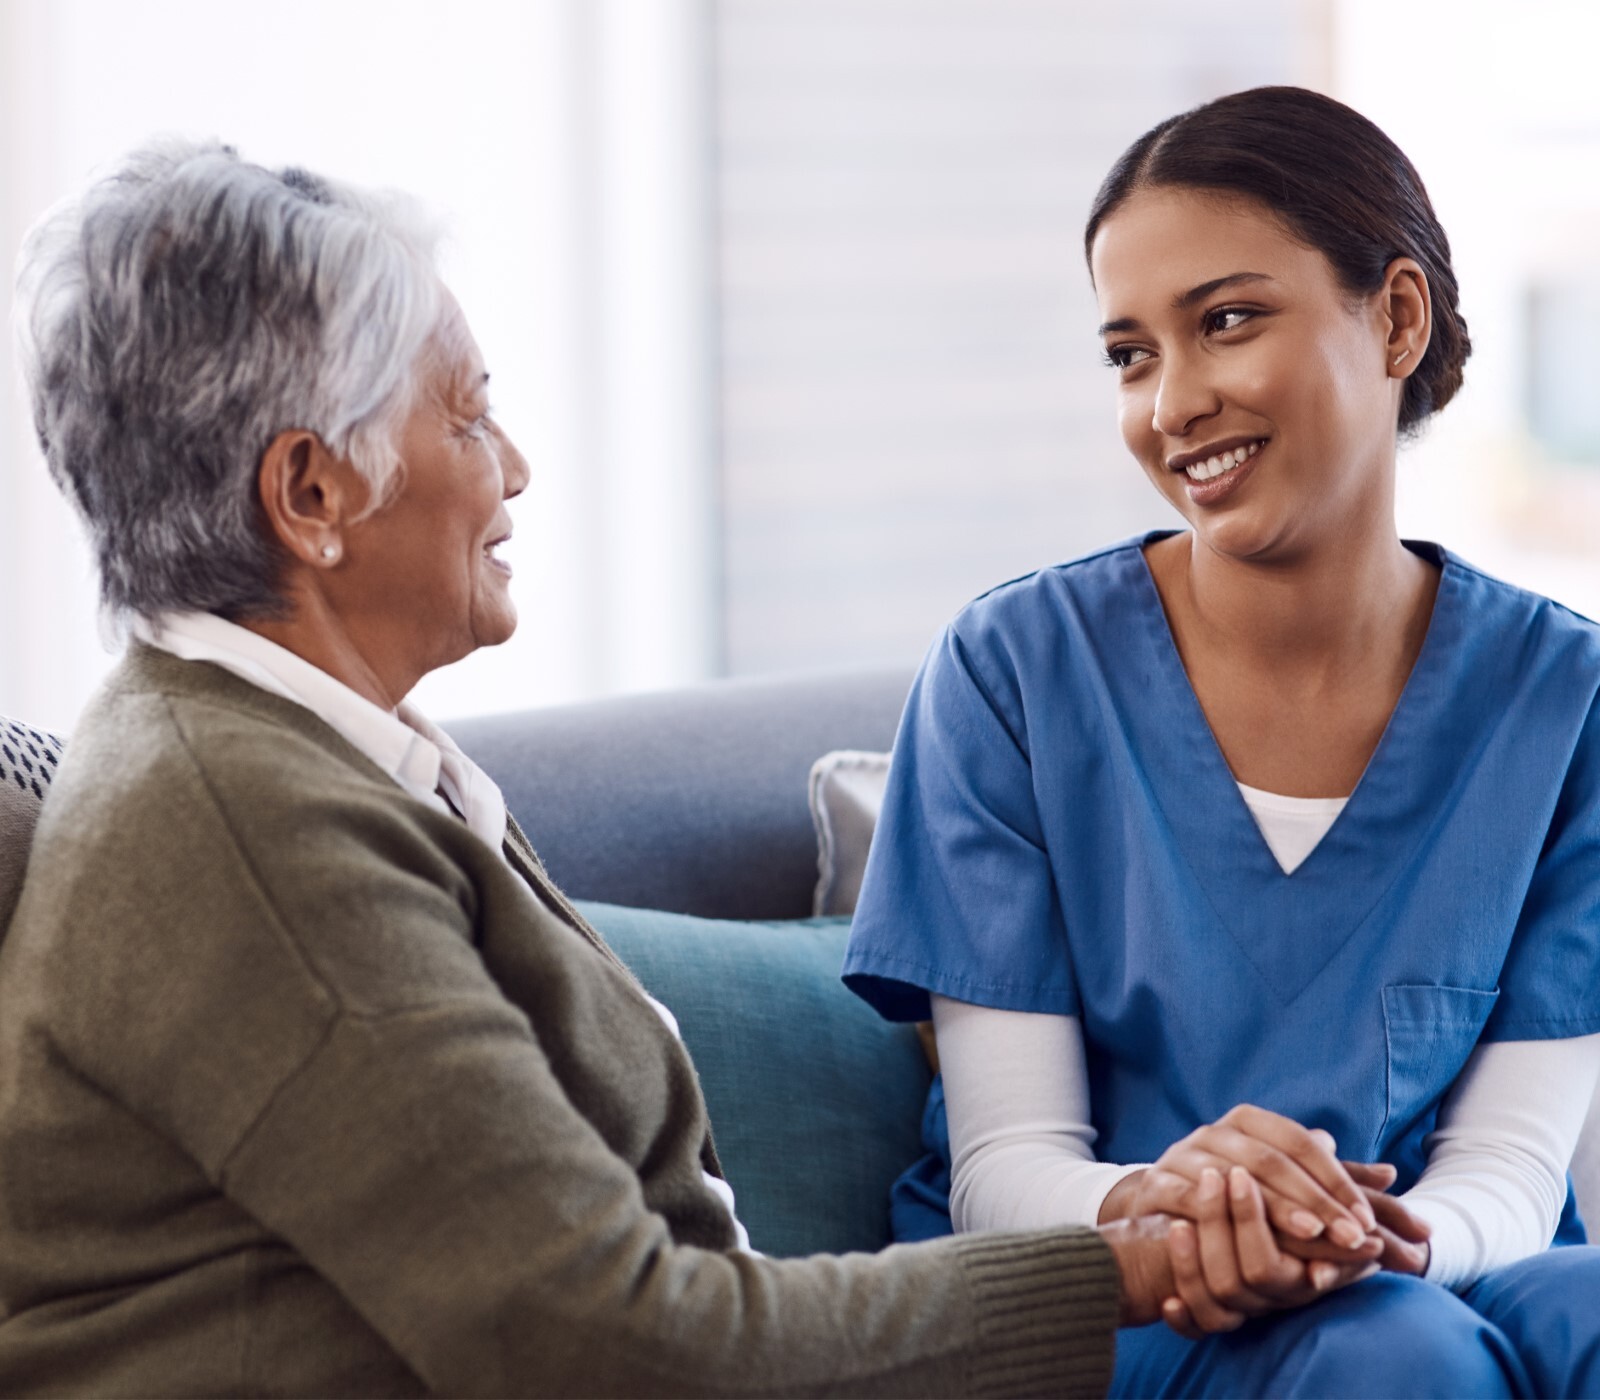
column 310, row 1080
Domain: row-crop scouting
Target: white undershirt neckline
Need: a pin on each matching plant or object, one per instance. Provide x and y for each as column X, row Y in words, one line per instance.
column 1292, row 827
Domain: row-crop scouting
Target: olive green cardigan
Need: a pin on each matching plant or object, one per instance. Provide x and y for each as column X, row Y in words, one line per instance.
column 305, row 1090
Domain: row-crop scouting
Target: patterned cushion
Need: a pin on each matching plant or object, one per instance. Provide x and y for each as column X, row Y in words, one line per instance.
column 28, row 760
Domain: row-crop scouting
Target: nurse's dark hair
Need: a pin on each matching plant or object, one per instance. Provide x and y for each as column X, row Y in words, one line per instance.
column 1336, row 182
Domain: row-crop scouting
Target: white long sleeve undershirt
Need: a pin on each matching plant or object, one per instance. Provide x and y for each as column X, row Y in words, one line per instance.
column 1022, row 1153
column 1022, row 1146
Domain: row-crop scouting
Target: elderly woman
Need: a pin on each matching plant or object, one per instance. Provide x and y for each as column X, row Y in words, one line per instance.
column 310, row 1080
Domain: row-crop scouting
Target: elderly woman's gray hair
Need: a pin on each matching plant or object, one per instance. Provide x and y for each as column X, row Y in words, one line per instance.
column 179, row 315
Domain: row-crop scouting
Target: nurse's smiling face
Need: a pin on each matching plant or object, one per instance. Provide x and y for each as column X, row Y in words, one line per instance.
column 1254, row 390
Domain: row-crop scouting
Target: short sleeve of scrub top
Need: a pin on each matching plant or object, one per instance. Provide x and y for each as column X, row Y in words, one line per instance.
column 1550, row 983
column 959, row 896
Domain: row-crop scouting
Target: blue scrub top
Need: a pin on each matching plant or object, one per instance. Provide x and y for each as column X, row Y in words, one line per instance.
column 1061, row 834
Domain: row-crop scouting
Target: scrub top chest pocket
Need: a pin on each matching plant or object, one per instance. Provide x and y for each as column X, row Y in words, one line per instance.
column 1429, row 1032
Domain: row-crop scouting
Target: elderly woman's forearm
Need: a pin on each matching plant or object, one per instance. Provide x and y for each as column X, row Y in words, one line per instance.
column 534, row 1258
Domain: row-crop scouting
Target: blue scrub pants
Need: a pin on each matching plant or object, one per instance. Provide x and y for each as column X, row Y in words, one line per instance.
column 1531, row 1329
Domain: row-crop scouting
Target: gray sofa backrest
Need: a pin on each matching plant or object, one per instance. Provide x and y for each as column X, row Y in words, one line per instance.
column 691, row 800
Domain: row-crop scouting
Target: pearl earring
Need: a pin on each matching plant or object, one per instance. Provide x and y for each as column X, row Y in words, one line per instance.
column 1399, row 357
column 330, row 552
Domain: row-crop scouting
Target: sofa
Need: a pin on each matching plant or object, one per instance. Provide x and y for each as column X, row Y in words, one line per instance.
column 680, row 822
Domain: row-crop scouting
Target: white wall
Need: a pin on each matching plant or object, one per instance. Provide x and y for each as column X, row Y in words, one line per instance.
column 1498, row 107
column 913, row 405
column 563, row 141
column 783, row 298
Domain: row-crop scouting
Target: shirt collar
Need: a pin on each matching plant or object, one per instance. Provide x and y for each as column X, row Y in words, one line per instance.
column 404, row 743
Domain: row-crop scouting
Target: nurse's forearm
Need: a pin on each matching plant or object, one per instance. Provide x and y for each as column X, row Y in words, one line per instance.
column 1496, row 1177
column 1021, row 1142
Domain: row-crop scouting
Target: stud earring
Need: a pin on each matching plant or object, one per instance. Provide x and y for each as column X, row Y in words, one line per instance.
column 1399, row 357
column 330, row 552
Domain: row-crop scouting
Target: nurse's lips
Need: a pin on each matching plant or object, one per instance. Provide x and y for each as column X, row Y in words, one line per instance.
column 1217, row 470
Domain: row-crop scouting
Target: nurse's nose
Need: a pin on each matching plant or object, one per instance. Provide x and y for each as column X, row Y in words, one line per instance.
column 1184, row 397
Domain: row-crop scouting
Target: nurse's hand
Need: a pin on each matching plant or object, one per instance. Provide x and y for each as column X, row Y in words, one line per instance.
column 1308, row 1192
column 1210, row 1274
column 1402, row 1238
column 1404, row 1235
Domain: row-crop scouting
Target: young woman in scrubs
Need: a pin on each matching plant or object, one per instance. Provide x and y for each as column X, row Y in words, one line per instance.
column 1271, row 847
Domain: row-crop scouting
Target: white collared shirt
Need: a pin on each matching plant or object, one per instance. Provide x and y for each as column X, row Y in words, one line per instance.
column 409, row 747
column 403, row 742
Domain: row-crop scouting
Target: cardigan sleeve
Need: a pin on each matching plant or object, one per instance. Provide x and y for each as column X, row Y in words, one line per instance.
column 433, row 1171
column 301, row 998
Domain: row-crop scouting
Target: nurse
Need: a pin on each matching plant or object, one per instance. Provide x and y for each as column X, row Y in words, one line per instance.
column 1273, row 843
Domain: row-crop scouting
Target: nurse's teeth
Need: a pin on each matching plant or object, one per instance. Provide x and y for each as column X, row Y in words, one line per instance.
column 1223, row 461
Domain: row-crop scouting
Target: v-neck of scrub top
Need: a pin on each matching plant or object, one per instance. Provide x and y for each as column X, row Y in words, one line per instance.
column 1391, row 811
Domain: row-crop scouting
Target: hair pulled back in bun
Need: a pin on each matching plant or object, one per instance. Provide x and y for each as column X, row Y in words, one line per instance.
column 1338, row 184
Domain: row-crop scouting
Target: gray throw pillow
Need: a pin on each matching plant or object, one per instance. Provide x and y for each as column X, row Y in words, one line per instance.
column 846, row 797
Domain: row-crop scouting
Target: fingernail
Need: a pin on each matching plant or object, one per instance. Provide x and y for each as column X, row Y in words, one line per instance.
column 1324, row 1275
column 1347, row 1233
column 1239, row 1184
column 1364, row 1214
column 1306, row 1224
column 1210, row 1184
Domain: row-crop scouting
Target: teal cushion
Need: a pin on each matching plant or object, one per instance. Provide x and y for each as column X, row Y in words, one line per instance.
column 815, row 1101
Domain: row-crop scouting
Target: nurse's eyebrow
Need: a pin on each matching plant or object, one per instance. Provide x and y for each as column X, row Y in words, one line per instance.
column 1216, row 284
column 1187, row 299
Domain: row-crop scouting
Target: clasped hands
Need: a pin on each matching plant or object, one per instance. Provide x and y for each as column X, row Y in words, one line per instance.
column 1249, row 1215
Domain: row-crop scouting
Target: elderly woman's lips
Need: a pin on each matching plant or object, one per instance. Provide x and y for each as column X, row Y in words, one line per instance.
column 489, row 553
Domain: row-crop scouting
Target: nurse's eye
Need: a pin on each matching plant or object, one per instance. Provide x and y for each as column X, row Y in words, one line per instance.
column 1124, row 356
column 1226, row 318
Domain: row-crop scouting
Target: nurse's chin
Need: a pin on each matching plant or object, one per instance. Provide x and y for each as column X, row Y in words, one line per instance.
column 1246, row 538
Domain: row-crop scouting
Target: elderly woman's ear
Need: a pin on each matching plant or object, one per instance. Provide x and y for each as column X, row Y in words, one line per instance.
column 309, row 496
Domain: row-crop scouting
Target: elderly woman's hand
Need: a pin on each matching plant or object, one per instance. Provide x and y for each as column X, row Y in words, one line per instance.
column 1211, row 1273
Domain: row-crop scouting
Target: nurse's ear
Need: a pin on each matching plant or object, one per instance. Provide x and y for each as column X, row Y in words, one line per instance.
column 1405, row 317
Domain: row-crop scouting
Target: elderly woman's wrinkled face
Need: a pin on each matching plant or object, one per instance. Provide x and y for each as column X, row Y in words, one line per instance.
column 428, row 557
